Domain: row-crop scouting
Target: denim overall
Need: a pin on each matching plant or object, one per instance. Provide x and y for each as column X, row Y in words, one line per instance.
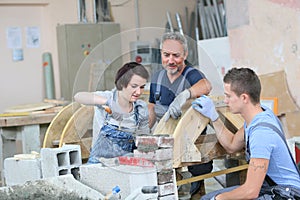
column 114, row 141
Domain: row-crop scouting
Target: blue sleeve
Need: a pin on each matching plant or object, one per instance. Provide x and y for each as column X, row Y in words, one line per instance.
column 194, row 76
column 259, row 148
column 153, row 88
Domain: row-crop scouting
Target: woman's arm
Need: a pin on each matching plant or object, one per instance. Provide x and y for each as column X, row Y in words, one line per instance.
column 89, row 98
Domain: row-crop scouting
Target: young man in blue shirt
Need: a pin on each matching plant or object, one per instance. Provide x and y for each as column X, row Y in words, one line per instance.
column 270, row 162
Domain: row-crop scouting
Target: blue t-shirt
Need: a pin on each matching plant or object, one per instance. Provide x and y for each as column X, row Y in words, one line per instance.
column 168, row 90
column 267, row 144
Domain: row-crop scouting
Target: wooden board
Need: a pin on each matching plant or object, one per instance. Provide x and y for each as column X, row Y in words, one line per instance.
column 232, row 121
column 190, row 147
column 26, row 120
column 168, row 128
column 275, row 85
column 78, row 130
column 58, row 123
column 185, row 132
column 29, row 107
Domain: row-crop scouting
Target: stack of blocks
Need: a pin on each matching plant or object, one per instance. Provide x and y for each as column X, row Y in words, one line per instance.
column 159, row 150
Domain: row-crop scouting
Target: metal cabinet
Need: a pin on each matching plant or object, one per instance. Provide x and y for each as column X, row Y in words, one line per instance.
column 76, row 44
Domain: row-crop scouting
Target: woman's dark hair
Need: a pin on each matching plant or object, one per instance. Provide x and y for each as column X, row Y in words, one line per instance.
column 126, row 72
column 244, row 80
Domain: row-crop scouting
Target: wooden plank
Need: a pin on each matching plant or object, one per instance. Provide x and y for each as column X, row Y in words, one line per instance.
column 185, row 132
column 212, row 174
column 57, row 125
column 27, row 120
column 232, row 121
column 29, row 107
column 275, row 85
column 168, row 128
column 189, row 128
column 190, row 147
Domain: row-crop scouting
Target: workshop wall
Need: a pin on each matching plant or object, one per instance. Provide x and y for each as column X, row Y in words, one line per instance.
column 22, row 82
column 264, row 35
column 269, row 39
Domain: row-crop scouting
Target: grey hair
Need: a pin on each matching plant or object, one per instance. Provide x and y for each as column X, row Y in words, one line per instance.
column 175, row 36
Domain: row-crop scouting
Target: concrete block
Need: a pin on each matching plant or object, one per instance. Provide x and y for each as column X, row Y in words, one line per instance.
column 61, row 161
column 157, row 155
column 135, row 161
column 168, row 197
column 19, row 171
column 128, row 178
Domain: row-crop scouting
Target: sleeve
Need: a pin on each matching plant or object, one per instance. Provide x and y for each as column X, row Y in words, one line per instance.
column 257, row 142
column 153, row 86
column 143, row 118
column 194, row 76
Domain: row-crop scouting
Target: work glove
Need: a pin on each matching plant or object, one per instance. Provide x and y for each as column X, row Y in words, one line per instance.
column 174, row 110
column 160, row 110
column 206, row 107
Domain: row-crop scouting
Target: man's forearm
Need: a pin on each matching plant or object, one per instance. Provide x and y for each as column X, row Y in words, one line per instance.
column 231, row 142
column 152, row 115
column 202, row 87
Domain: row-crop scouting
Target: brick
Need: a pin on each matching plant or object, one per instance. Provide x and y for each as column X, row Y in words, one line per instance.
column 166, row 142
column 165, row 176
column 166, row 189
column 160, row 154
column 163, row 165
column 155, row 142
column 147, row 140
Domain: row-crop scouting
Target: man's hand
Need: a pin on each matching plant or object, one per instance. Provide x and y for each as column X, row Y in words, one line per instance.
column 175, row 107
column 206, row 107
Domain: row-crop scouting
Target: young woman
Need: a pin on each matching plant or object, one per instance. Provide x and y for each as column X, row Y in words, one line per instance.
column 119, row 114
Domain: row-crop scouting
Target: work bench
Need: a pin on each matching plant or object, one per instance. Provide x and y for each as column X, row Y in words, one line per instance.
column 22, row 134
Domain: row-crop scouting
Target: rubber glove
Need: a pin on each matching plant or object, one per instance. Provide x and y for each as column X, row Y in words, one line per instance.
column 175, row 107
column 206, row 107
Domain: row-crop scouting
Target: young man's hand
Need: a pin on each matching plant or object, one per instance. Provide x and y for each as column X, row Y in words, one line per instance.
column 206, row 107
